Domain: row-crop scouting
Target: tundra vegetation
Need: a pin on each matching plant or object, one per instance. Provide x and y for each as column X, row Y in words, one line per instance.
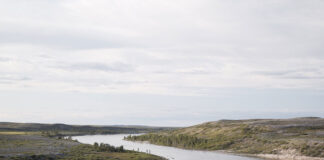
column 56, row 144
column 298, row 136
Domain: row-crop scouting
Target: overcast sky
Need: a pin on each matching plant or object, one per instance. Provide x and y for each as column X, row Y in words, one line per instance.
column 160, row 62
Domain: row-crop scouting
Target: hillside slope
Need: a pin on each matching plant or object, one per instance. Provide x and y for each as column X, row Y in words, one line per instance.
column 296, row 137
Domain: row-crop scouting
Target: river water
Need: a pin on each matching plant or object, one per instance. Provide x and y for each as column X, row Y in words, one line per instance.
column 171, row 153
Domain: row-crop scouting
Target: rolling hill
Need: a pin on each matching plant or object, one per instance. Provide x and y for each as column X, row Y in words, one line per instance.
column 274, row 138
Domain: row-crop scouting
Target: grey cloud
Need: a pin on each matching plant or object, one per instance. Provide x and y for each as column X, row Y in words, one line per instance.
column 115, row 67
column 164, row 30
column 49, row 23
column 108, row 82
column 304, row 77
column 45, row 56
column 66, row 39
column 274, row 73
column 183, row 41
column 193, row 72
column 293, row 74
column 4, row 59
column 12, row 78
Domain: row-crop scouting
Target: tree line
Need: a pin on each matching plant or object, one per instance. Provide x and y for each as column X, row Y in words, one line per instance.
column 102, row 147
column 184, row 141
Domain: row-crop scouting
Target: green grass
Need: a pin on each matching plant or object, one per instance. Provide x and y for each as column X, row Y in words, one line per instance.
column 88, row 152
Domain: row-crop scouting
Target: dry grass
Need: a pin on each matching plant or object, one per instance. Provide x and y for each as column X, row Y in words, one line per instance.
column 19, row 133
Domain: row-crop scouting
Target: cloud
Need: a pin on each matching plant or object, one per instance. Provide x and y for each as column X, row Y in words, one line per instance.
column 116, row 67
column 60, row 37
column 162, row 61
column 12, row 78
column 3, row 59
column 294, row 74
column 158, row 47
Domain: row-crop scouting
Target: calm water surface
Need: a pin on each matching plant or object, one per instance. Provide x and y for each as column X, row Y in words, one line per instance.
column 164, row 151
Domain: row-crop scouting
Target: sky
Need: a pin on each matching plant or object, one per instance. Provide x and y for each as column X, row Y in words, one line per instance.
column 160, row 62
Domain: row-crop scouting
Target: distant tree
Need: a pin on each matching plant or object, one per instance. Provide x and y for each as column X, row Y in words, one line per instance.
column 96, row 145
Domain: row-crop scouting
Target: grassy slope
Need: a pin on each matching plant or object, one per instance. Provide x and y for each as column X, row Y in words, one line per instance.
column 299, row 136
column 88, row 152
column 32, row 147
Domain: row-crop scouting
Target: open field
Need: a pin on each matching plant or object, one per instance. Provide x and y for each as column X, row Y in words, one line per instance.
column 288, row 137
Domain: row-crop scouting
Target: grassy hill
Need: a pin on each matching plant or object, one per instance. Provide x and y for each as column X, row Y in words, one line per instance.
column 297, row 137
column 65, row 129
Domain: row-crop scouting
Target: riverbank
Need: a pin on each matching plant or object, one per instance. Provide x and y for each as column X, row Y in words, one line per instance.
column 287, row 157
column 297, row 138
column 26, row 146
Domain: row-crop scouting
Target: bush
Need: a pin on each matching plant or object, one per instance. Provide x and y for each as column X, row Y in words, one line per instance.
column 108, row 148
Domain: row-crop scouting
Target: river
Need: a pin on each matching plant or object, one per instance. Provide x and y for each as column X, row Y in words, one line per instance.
column 171, row 153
